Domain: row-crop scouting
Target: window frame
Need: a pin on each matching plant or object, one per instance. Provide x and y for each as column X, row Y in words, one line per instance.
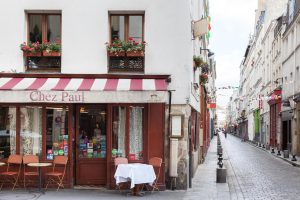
column 126, row 25
column 127, row 130
column 44, row 25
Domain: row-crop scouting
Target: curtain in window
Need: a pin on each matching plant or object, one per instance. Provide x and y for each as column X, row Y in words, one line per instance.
column 121, row 131
column 136, row 132
column 31, row 131
column 12, row 129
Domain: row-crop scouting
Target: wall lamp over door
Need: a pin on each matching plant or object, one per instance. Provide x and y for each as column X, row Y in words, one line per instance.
column 208, row 50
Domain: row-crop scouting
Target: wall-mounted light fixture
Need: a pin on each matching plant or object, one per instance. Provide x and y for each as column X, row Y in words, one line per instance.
column 208, row 50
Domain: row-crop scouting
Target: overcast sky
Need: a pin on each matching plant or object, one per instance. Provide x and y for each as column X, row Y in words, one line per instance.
column 232, row 21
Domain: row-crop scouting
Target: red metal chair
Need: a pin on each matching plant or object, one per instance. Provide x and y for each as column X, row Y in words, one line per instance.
column 118, row 161
column 57, row 176
column 30, row 173
column 12, row 172
column 156, row 162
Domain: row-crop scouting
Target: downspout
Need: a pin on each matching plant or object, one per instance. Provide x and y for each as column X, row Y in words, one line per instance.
column 173, row 186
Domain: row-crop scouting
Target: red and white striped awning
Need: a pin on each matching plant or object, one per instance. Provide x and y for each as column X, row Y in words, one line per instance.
column 82, row 84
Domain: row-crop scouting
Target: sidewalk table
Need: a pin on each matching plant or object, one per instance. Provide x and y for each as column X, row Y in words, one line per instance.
column 2, row 164
column 40, row 165
column 136, row 173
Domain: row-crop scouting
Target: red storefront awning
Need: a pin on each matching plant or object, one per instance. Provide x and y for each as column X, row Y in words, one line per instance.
column 82, row 84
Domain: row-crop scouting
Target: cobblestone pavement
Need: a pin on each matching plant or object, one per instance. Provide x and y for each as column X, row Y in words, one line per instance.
column 255, row 174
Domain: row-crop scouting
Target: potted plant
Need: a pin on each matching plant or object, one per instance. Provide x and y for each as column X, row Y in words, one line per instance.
column 116, row 48
column 135, row 49
column 31, row 49
column 51, row 49
column 197, row 61
column 203, row 78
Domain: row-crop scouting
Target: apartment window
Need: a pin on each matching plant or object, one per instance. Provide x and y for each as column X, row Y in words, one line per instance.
column 126, row 27
column 44, row 29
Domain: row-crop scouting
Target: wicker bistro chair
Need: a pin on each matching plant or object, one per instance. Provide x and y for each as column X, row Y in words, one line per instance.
column 12, row 172
column 56, row 176
column 29, row 173
column 156, row 163
column 118, row 161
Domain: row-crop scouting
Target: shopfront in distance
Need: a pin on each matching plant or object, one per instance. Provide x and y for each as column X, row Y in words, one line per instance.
column 91, row 119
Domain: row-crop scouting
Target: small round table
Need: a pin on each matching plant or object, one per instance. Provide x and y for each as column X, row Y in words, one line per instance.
column 40, row 165
column 2, row 164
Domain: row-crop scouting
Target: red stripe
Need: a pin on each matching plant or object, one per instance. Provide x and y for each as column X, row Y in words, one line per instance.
column 39, row 82
column 160, row 84
column 111, row 84
column 86, row 84
column 136, row 84
column 62, row 83
column 11, row 83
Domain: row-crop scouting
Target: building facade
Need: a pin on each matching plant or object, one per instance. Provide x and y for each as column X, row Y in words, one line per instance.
column 102, row 82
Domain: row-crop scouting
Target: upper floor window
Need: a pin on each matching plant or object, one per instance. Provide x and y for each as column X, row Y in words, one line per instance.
column 127, row 30
column 43, row 47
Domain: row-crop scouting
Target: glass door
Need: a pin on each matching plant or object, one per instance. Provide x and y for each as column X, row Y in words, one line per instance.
column 91, row 140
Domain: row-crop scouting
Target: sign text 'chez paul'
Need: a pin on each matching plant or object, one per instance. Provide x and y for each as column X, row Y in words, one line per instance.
column 58, row 96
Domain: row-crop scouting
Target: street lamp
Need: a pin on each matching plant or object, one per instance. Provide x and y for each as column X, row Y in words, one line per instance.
column 208, row 50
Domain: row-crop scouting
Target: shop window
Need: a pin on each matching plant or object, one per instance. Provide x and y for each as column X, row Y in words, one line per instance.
column 31, row 130
column 136, row 133
column 119, row 127
column 128, row 142
column 45, row 29
column 7, row 131
column 126, row 27
column 92, row 137
column 57, row 134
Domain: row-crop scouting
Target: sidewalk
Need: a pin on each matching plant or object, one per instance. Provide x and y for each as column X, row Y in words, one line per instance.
column 204, row 182
column 204, row 186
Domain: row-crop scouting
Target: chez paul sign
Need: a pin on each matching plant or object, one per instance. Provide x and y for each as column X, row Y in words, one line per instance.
column 57, row 96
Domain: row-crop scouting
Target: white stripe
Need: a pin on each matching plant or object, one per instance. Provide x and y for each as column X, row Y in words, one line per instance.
column 123, row 84
column 74, row 84
column 49, row 84
column 4, row 80
column 99, row 84
column 149, row 84
column 25, row 83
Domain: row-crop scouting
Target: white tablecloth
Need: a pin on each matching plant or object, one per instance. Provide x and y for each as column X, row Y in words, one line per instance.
column 136, row 173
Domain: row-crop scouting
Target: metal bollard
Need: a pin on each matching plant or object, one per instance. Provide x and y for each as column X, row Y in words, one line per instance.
column 272, row 150
column 221, row 172
column 278, row 154
column 220, row 163
column 294, row 158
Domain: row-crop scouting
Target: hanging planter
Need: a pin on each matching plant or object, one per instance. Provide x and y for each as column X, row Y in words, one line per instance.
column 138, row 53
column 51, row 49
column 51, row 54
column 31, row 49
column 203, row 79
column 116, row 53
column 197, row 62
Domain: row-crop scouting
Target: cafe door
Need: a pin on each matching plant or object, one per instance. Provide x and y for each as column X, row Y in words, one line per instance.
column 91, row 140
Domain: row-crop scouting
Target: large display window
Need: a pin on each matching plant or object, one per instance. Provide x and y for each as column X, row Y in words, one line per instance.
column 57, row 134
column 31, row 130
column 128, row 131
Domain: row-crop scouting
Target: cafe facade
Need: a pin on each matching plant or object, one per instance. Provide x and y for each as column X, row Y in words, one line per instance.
column 91, row 120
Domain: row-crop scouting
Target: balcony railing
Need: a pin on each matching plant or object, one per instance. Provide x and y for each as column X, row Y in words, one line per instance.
column 126, row 62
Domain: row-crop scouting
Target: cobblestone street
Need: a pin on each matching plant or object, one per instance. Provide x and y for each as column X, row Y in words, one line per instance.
column 255, row 174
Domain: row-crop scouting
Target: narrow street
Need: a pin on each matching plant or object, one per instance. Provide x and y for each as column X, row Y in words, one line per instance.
column 255, row 174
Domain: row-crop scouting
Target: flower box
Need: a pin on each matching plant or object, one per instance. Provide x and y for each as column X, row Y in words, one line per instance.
column 54, row 54
column 135, row 53
column 32, row 54
column 116, row 54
